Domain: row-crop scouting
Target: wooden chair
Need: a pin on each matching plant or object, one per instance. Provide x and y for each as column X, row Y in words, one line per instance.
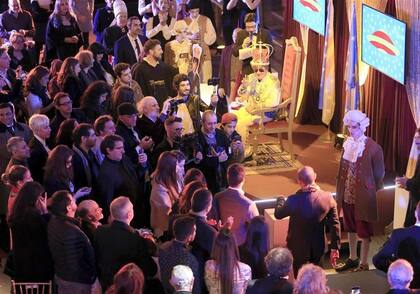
column 287, row 108
column 31, row 288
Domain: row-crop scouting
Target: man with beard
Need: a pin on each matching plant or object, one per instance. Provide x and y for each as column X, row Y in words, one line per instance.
column 129, row 48
column 153, row 75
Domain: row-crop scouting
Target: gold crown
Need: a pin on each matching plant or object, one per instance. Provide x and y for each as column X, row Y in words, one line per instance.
column 261, row 54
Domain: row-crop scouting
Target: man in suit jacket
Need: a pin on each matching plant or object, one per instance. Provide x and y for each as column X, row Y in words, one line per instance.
column 40, row 126
column 403, row 243
column 279, row 263
column 310, row 211
column 117, row 244
column 247, row 39
column 412, row 185
column 129, row 48
column 233, row 203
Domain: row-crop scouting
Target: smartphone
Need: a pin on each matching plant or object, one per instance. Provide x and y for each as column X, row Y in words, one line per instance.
column 355, row 290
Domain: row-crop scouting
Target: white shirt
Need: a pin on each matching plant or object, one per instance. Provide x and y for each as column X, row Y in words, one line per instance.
column 133, row 44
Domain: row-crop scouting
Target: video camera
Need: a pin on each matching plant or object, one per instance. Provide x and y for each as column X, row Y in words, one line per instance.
column 189, row 144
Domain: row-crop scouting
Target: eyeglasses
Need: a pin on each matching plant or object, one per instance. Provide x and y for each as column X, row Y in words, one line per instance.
column 259, row 70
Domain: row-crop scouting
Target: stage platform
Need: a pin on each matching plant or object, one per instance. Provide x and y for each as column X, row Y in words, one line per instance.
column 312, row 146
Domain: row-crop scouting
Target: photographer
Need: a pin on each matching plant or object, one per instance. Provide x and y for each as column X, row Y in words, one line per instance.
column 174, row 140
column 215, row 152
column 188, row 106
column 228, row 126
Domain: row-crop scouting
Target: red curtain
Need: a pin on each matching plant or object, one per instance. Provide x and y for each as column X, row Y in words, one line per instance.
column 385, row 100
column 392, row 124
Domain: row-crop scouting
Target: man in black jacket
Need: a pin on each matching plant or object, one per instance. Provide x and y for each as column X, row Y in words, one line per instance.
column 188, row 106
column 129, row 48
column 151, row 123
column 85, row 164
column 279, row 263
column 117, row 244
column 103, row 19
column 72, row 253
column 118, row 175
column 412, row 185
column 215, row 153
column 40, row 126
column 126, row 128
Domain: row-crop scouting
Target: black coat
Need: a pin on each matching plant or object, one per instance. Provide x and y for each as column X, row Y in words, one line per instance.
column 85, row 168
column 154, row 130
column 413, row 185
column 130, row 141
column 213, row 170
column 53, row 184
column 116, row 245
column 75, row 88
column 58, row 119
column 110, row 36
column 71, row 250
column 403, row 243
column 270, row 285
column 55, row 35
column 124, row 51
column 118, row 178
column 37, row 160
column 31, row 253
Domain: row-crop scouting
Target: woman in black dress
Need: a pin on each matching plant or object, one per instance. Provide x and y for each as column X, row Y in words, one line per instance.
column 63, row 37
column 68, row 80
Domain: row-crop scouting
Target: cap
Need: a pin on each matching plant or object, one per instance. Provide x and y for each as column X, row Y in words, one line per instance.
column 127, row 108
column 227, row 118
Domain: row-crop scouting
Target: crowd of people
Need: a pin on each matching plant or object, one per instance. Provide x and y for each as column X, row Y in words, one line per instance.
column 117, row 177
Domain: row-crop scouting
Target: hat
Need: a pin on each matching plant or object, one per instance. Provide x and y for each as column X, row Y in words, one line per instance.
column 127, row 108
column 119, row 7
column 193, row 4
column 358, row 117
column 228, row 117
column 261, row 54
column 182, row 277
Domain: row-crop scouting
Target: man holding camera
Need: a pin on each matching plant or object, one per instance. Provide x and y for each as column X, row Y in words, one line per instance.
column 236, row 147
column 188, row 106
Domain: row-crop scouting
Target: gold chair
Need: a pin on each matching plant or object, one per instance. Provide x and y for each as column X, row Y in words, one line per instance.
column 287, row 108
column 31, row 288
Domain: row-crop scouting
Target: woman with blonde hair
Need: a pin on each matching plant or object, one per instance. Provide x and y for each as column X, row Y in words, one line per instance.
column 167, row 183
column 311, row 279
column 63, row 37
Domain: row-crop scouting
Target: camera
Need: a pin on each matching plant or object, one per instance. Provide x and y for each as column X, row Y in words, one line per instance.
column 213, row 81
column 188, row 144
column 236, row 137
column 173, row 104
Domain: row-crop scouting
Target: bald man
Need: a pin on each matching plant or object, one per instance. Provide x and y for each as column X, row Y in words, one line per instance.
column 151, row 123
column 310, row 211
